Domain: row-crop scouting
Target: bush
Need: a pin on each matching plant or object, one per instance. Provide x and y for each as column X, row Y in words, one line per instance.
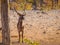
column 31, row 42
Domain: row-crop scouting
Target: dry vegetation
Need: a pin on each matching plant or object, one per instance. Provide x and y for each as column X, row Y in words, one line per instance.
column 20, row 5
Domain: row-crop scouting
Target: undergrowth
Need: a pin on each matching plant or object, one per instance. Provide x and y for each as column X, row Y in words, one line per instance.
column 29, row 42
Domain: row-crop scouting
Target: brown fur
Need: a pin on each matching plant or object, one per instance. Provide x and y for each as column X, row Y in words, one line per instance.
column 19, row 25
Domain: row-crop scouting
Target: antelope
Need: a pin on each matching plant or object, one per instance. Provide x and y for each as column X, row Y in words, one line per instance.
column 19, row 25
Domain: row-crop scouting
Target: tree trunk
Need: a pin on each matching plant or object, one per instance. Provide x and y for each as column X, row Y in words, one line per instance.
column 5, row 23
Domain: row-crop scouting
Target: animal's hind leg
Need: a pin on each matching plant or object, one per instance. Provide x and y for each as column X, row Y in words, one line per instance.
column 22, row 33
column 19, row 37
column 22, row 36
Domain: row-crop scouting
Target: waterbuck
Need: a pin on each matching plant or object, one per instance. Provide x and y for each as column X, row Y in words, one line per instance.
column 19, row 25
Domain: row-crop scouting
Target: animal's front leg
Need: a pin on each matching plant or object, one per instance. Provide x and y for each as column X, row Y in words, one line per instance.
column 22, row 33
column 19, row 37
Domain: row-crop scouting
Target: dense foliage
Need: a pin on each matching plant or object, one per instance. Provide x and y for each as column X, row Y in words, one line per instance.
column 35, row 4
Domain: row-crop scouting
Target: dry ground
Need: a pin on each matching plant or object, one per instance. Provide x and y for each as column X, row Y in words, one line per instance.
column 41, row 27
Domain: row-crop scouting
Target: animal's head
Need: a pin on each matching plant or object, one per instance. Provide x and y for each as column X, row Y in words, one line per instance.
column 22, row 17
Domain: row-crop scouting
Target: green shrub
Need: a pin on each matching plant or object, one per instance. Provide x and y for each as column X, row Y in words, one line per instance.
column 30, row 42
